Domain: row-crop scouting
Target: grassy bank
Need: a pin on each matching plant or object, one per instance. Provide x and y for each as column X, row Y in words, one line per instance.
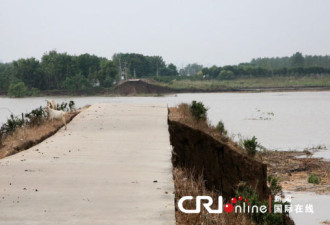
column 254, row 83
column 22, row 132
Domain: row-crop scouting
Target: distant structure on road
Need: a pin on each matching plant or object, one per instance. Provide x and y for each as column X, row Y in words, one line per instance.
column 140, row 86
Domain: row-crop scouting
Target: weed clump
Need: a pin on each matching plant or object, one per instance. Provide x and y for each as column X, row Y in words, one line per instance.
column 198, row 110
column 36, row 117
column 247, row 192
column 251, row 145
column 221, row 128
column 64, row 106
column 12, row 124
column 314, row 179
column 274, row 186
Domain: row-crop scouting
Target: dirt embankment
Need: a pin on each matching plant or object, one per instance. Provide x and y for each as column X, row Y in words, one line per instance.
column 223, row 165
column 140, row 86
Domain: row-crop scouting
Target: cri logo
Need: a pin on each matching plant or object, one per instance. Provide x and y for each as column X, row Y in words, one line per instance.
column 207, row 205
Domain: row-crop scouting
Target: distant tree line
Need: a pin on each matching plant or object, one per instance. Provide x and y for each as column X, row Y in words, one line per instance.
column 61, row 71
column 58, row 71
column 296, row 65
column 296, row 60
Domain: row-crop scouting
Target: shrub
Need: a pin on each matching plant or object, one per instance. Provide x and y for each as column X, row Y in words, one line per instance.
column 34, row 92
column 17, row 90
column 198, row 110
column 246, row 191
column 250, row 145
column 221, row 128
column 12, row 123
column 314, row 179
column 36, row 116
column 72, row 105
column 62, row 106
column 274, row 186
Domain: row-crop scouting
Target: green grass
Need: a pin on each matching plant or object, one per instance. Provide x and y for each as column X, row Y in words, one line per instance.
column 263, row 82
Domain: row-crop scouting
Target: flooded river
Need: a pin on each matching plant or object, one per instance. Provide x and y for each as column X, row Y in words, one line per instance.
column 279, row 120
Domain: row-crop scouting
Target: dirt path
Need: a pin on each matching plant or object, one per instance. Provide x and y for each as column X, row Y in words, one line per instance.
column 112, row 166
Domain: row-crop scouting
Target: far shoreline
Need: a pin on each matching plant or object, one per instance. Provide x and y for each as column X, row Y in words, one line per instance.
column 63, row 93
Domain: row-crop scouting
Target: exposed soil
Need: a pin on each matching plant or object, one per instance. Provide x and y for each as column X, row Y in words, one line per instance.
column 26, row 137
column 205, row 162
column 293, row 172
column 186, row 184
column 140, row 86
column 200, row 148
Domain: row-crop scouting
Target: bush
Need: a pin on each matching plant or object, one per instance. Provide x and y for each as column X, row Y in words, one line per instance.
column 34, row 92
column 250, row 145
column 17, row 90
column 274, row 186
column 221, row 128
column 246, row 191
column 314, row 179
column 36, row 116
column 72, row 105
column 64, row 106
column 12, row 124
column 198, row 110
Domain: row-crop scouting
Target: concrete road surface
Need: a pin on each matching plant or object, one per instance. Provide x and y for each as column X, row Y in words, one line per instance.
column 112, row 166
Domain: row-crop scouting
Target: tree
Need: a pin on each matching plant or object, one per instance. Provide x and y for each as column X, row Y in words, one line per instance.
column 6, row 76
column 191, row 69
column 17, row 90
column 108, row 73
column 297, row 60
column 27, row 70
column 226, row 75
column 76, row 83
column 144, row 66
column 56, row 67
column 172, row 69
column 88, row 65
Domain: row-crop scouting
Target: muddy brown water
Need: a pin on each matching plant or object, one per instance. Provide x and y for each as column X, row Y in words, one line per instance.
column 280, row 121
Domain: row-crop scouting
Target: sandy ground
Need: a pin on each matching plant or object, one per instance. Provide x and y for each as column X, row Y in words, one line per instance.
column 112, row 166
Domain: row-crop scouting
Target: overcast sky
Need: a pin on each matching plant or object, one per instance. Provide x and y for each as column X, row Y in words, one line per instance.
column 207, row 32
